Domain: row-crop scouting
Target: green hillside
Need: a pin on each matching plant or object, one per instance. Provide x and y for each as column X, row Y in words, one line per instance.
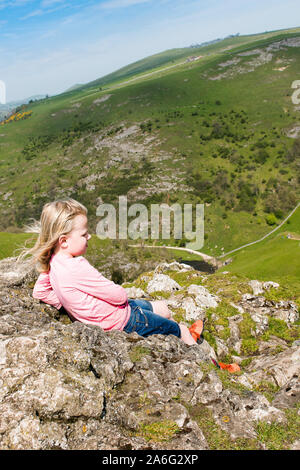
column 276, row 258
column 177, row 57
column 220, row 130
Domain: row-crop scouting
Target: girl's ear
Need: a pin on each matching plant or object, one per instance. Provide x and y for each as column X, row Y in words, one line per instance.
column 62, row 241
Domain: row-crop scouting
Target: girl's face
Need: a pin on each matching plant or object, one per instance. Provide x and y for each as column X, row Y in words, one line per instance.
column 76, row 242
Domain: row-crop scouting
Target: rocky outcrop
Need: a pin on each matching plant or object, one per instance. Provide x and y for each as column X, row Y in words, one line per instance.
column 67, row 385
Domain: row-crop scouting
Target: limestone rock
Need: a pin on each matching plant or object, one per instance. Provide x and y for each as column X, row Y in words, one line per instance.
column 283, row 310
column 259, row 287
column 278, row 369
column 13, row 274
column 174, row 266
column 256, row 287
column 193, row 312
column 162, row 282
column 73, row 386
column 135, row 292
column 203, row 298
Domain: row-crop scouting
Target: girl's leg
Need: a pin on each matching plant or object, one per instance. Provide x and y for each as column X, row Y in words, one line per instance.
column 186, row 336
column 160, row 307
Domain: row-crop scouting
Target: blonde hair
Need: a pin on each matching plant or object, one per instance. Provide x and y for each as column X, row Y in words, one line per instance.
column 57, row 219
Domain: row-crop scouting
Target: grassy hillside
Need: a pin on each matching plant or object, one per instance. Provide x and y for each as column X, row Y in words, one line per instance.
column 175, row 57
column 275, row 258
column 212, row 131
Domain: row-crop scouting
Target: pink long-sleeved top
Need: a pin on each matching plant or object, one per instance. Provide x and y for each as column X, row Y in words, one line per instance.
column 84, row 292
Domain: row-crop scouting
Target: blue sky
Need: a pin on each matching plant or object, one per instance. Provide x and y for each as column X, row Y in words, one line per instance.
column 49, row 45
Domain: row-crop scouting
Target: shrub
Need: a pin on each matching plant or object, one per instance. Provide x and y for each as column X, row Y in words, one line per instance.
column 261, row 156
column 247, row 197
column 271, row 219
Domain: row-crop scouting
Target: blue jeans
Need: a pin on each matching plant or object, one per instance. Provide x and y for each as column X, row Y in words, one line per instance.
column 145, row 322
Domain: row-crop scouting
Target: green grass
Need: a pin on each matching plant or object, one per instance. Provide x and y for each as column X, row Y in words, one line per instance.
column 138, row 352
column 216, row 437
column 278, row 436
column 11, row 242
column 177, row 56
column 158, row 431
column 276, row 258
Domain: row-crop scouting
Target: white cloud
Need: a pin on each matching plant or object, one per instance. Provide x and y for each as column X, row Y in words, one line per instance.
column 112, row 4
column 13, row 3
column 32, row 14
column 49, row 3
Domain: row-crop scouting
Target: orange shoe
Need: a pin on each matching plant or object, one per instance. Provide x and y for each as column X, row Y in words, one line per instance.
column 232, row 368
column 196, row 331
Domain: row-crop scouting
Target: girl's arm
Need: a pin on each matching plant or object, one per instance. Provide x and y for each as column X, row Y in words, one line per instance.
column 44, row 292
column 89, row 280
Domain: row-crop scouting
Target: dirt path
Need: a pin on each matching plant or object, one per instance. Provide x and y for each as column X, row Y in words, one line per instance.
column 204, row 256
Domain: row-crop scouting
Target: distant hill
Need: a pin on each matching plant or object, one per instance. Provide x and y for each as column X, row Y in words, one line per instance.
column 6, row 109
column 74, row 87
column 176, row 56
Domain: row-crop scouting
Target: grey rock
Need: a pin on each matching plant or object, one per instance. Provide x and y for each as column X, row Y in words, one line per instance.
column 135, row 292
column 73, row 386
column 289, row 395
column 162, row 282
column 283, row 310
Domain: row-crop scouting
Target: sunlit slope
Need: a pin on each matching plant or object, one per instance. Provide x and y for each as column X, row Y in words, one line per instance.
column 179, row 56
column 213, row 131
column 276, row 258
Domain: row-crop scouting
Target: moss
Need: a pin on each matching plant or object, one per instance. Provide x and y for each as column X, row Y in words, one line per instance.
column 158, row 431
column 280, row 329
column 216, row 437
column 224, row 333
column 276, row 436
column 207, row 367
column 228, row 287
column 177, row 397
column 128, row 284
column 223, row 311
column 228, row 382
column 210, row 338
column 141, row 283
column 282, row 293
column 159, row 294
column 249, row 343
column 184, row 279
column 246, row 362
column 179, row 315
column 267, row 388
column 144, row 400
column 249, row 346
column 137, row 352
column 247, row 326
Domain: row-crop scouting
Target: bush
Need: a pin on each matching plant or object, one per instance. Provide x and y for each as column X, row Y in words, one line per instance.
column 261, row 156
column 271, row 219
column 219, row 131
column 294, row 152
column 247, row 197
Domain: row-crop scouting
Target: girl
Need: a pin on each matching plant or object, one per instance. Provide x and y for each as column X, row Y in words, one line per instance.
column 68, row 280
